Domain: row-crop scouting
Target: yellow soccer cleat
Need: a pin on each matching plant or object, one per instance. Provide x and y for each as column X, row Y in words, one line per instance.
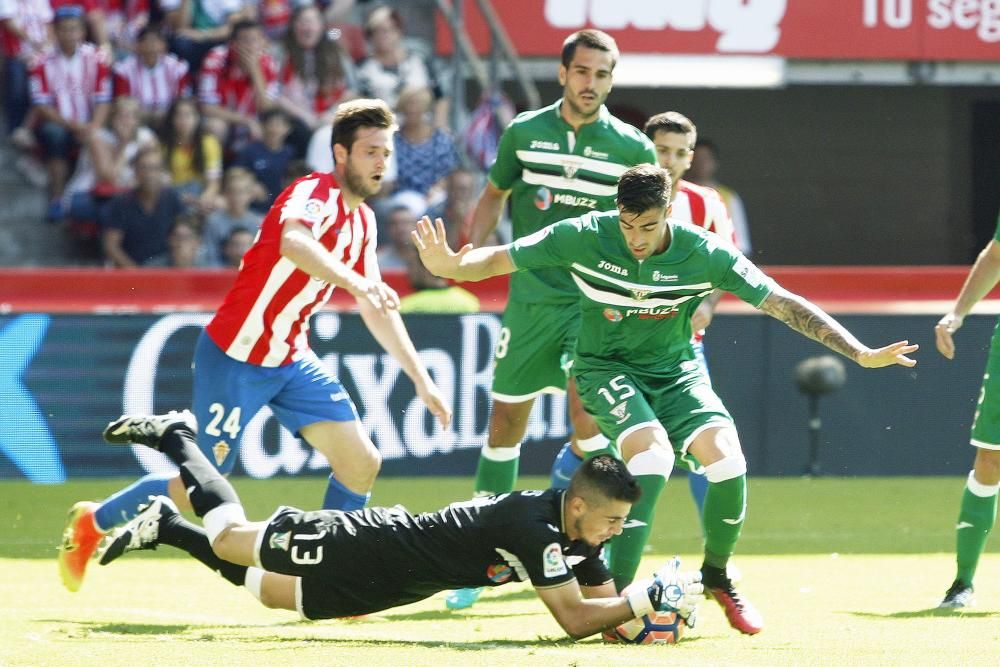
column 79, row 542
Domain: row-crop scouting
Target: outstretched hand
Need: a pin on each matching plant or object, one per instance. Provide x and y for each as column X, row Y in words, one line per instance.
column 889, row 355
column 431, row 242
column 943, row 331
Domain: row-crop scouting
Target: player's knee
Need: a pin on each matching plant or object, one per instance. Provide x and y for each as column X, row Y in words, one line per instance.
column 726, row 468
column 271, row 598
column 655, row 460
column 507, row 425
column 222, row 545
column 366, row 466
column 987, row 466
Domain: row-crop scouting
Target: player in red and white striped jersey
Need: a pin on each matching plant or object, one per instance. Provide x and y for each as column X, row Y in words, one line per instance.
column 71, row 87
column 319, row 235
column 152, row 76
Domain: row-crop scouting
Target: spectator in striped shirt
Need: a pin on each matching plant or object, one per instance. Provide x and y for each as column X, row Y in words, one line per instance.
column 24, row 37
column 152, row 76
column 93, row 19
column 238, row 81
column 71, row 87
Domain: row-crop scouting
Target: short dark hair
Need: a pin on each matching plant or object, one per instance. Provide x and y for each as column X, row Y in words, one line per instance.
column 591, row 39
column 671, row 121
column 643, row 187
column 271, row 113
column 605, row 476
column 353, row 115
column 244, row 24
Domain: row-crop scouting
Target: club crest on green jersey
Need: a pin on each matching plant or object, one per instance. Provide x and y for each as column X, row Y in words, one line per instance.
column 571, row 166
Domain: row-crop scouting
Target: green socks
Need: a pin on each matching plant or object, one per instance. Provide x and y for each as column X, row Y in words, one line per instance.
column 497, row 470
column 975, row 521
column 725, row 509
column 626, row 549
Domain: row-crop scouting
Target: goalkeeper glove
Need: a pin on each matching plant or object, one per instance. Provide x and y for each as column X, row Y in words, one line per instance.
column 669, row 590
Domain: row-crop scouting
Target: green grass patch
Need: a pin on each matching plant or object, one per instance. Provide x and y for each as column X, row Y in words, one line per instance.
column 846, row 571
column 786, row 515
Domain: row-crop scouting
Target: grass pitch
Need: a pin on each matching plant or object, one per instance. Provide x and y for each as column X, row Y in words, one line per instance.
column 845, row 571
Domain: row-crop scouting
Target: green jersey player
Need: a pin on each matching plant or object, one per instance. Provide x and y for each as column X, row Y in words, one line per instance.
column 979, row 502
column 640, row 276
column 557, row 162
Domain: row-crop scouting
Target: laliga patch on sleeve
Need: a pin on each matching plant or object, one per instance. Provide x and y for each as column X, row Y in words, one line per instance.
column 750, row 273
column 553, row 563
column 312, row 210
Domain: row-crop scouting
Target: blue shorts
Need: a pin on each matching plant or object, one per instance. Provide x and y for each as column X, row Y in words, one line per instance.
column 228, row 393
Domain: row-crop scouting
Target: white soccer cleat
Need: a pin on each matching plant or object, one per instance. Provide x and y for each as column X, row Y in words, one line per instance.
column 142, row 532
column 147, row 429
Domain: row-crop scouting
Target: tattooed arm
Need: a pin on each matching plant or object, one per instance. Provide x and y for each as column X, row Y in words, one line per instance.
column 810, row 320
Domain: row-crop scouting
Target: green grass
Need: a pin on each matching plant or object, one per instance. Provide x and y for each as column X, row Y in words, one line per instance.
column 845, row 570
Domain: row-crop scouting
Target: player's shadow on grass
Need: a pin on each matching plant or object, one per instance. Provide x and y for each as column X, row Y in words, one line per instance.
column 925, row 613
column 459, row 615
column 129, row 628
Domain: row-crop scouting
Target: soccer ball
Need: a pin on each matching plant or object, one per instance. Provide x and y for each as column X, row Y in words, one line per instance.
column 664, row 627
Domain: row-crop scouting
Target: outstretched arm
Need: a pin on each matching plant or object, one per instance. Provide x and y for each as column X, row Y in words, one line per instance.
column 487, row 213
column 810, row 320
column 982, row 278
column 466, row 264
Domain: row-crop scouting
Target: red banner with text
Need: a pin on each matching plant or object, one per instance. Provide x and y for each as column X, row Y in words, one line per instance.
column 808, row 29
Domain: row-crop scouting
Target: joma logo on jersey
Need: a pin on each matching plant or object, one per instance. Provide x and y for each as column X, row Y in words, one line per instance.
column 547, row 145
column 664, row 277
column 573, row 200
column 608, row 266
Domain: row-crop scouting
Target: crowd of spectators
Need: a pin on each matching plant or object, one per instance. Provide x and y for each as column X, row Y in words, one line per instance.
column 164, row 129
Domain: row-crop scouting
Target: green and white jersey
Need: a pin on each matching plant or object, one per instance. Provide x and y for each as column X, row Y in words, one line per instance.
column 638, row 314
column 554, row 173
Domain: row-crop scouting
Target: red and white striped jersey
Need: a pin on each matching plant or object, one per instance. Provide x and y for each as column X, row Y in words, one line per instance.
column 74, row 85
column 223, row 83
column 264, row 319
column 30, row 16
column 155, row 87
column 703, row 207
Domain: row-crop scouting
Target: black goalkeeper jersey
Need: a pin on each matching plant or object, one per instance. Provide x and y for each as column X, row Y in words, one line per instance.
column 380, row 557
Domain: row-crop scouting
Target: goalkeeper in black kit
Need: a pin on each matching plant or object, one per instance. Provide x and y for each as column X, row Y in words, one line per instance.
column 329, row 563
